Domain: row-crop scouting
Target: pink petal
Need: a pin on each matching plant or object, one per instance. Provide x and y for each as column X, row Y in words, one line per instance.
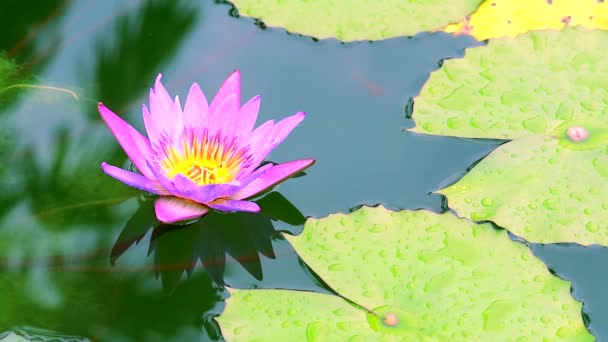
column 151, row 128
column 133, row 179
column 162, row 97
column 235, row 205
column 135, row 145
column 173, row 209
column 232, row 85
column 166, row 114
column 210, row 192
column 186, row 188
column 273, row 176
column 196, row 110
column 162, row 179
column 279, row 132
column 246, row 117
column 283, row 128
column 260, row 135
column 223, row 116
column 258, row 139
column 177, row 105
column 246, row 177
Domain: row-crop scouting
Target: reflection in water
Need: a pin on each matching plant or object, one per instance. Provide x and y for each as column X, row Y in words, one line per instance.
column 65, row 195
column 57, row 209
column 143, row 42
column 28, row 41
column 23, row 26
column 157, row 27
column 23, row 334
column 11, row 190
column 12, row 77
column 105, row 304
column 240, row 235
column 81, row 295
column 119, row 73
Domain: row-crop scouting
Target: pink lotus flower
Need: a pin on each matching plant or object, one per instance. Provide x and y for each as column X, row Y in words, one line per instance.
column 204, row 156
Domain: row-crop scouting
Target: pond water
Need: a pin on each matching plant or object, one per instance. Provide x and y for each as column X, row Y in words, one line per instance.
column 79, row 257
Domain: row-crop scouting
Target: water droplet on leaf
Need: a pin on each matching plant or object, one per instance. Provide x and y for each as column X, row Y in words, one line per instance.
column 577, row 133
column 487, row 202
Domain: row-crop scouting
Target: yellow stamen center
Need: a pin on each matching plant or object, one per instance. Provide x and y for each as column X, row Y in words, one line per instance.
column 202, row 158
column 203, row 171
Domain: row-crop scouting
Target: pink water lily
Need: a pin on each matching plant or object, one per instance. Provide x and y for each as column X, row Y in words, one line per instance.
column 204, row 156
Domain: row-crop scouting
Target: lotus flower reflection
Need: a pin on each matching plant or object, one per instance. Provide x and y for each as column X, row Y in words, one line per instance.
column 204, row 156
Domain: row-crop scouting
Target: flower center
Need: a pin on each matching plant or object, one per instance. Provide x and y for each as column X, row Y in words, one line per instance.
column 204, row 172
column 201, row 157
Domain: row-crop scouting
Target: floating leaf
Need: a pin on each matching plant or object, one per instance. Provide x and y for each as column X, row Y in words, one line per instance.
column 548, row 186
column 499, row 18
column 349, row 20
column 422, row 276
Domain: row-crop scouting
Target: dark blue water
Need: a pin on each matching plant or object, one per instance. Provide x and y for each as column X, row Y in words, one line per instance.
column 62, row 221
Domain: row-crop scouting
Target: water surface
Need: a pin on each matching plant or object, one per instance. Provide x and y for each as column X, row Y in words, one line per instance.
column 61, row 216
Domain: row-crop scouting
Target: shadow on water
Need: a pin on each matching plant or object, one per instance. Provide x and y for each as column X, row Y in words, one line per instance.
column 241, row 236
column 216, row 242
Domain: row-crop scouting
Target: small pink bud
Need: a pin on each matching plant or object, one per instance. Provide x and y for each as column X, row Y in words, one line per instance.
column 391, row 319
column 577, row 133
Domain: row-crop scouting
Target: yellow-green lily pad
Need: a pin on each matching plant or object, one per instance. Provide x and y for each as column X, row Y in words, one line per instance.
column 411, row 275
column 498, row 18
column 548, row 91
column 350, row 20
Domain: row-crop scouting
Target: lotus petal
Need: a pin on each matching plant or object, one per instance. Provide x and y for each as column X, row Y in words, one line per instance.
column 276, row 174
column 135, row 180
column 173, row 209
column 196, row 110
column 135, row 145
column 279, row 132
column 235, row 205
column 232, row 85
column 246, row 117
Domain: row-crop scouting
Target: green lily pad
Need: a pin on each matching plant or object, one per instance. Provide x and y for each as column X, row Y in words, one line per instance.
column 349, row 20
column 568, row 203
column 517, row 87
column 413, row 275
column 546, row 186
